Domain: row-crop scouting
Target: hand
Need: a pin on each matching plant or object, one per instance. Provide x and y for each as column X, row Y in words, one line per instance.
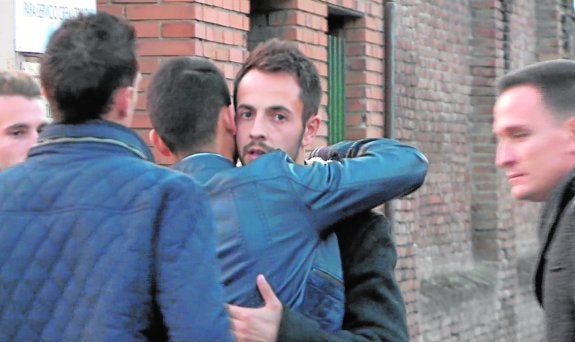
column 258, row 324
column 325, row 153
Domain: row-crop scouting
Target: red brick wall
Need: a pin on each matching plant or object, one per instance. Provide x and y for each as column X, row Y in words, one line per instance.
column 466, row 248
column 168, row 28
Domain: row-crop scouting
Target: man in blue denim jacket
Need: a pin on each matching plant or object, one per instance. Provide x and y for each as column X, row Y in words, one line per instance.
column 97, row 243
column 272, row 214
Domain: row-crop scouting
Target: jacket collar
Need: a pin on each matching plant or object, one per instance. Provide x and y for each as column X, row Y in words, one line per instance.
column 203, row 166
column 558, row 200
column 94, row 131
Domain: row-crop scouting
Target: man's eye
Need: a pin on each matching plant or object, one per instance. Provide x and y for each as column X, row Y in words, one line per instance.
column 18, row 133
column 245, row 115
column 519, row 135
column 280, row 117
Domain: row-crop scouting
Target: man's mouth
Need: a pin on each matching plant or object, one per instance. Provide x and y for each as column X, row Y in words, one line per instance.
column 513, row 177
column 255, row 150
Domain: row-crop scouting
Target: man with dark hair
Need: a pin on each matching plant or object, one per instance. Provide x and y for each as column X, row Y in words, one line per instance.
column 97, row 242
column 277, row 96
column 534, row 122
column 272, row 215
column 22, row 116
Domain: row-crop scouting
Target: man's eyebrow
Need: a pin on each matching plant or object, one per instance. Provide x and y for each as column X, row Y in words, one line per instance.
column 515, row 127
column 18, row 125
column 512, row 128
column 278, row 107
column 243, row 105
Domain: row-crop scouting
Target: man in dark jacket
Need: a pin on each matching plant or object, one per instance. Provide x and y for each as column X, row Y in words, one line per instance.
column 534, row 121
column 97, row 243
column 374, row 306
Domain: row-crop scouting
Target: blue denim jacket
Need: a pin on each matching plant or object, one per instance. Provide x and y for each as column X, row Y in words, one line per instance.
column 95, row 239
column 272, row 217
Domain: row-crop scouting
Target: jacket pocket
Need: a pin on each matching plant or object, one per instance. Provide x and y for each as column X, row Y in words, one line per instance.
column 324, row 300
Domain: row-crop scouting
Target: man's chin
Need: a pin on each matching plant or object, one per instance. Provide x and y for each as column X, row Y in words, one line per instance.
column 249, row 157
column 523, row 194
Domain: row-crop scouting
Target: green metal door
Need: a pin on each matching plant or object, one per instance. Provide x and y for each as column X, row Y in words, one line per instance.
column 336, row 89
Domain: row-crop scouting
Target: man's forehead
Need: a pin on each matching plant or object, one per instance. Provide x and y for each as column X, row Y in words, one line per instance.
column 21, row 110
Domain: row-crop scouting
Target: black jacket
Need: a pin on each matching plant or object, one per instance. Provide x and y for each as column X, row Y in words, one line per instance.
column 555, row 273
column 374, row 309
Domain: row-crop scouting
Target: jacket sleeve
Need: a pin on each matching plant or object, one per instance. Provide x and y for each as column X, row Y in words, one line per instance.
column 190, row 294
column 376, row 171
column 374, row 310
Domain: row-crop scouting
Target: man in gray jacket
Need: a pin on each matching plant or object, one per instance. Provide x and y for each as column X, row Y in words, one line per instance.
column 534, row 121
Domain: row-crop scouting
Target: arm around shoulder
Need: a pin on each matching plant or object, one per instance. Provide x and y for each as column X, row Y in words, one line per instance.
column 372, row 172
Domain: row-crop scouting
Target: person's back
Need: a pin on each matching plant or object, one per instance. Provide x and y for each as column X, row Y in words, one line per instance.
column 97, row 242
column 79, row 231
column 266, row 224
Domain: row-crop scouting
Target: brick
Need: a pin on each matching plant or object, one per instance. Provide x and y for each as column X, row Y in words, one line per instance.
column 142, row 103
column 237, row 55
column 133, row 1
column 147, row 29
column 117, row 10
column 166, row 48
column 158, row 12
column 245, row 6
column 178, row 30
column 141, row 121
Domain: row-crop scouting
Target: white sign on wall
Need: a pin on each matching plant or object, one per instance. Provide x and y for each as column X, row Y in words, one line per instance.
column 35, row 20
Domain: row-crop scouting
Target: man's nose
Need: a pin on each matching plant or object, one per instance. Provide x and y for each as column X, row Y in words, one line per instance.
column 504, row 155
column 259, row 129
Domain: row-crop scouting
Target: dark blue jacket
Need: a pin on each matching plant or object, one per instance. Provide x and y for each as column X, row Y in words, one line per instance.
column 97, row 243
column 273, row 217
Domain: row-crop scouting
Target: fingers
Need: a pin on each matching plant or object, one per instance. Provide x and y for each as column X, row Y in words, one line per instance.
column 235, row 311
column 257, row 324
column 240, row 322
column 266, row 292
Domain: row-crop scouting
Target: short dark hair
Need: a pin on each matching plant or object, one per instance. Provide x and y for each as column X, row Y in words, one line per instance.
column 19, row 83
column 87, row 59
column 277, row 55
column 185, row 97
column 555, row 79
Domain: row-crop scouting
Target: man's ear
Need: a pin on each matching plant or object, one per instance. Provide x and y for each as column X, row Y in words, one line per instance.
column 230, row 119
column 158, row 142
column 125, row 101
column 123, row 106
column 570, row 127
column 310, row 130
